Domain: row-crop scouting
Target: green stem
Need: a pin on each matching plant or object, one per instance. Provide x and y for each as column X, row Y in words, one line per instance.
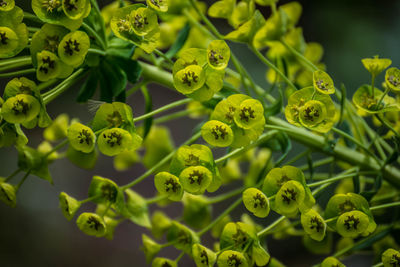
column 57, row 147
column 224, row 196
column 46, row 84
column 64, row 85
column 241, row 150
column 382, row 97
column 159, row 164
column 373, row 86
column 240, row 71
column 220, row 217
column 32, row 17
column 162, row 109
column 102, row 24
column 95, row 35
column 265, row 231
column 97, row 51
column 156, row 199
column 17, row 73
column 180, row 257
column 333, row 179
column 387, row 124
column 387, row 205
column 17, row 63
column 172, row 116
column 378, row 264
column 89, row 199
column 272, row 66
column 22, row 181
column 297, row 157
column 208, row 23
column 12, row 175
column 161, row 54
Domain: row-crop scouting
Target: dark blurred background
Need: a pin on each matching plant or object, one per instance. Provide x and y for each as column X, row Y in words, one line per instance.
column 35, row 233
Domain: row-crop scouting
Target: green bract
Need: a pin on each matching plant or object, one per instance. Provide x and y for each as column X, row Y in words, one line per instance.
column 68, row 13
column 73, row 48
column 196, row 211
column 137, row 24
column 91, row 224
column 297, row 107
column 289, row 198
column 81, row 137
column 222, row 9
column 352, row 223
column 20, row 108
column 160, row 223
column 232, row 258
column 237, row 235
column 69, row 205
column 113, row 141
column 168, row 184
column 104, row 190
column 158, row 5
column 332, row 262
column 47, row 38
column 392, row 79
column 8, row 194
column 203, row 257
column 150, row 248
column 189, row 79
column 313, row 224
column 391, row 258
column 218, row 54
column 13, row 33
column 376, row 65
column 163, row 262
column 323, row 82
column 183, row 237
column 217, row 133
column 249, row 114
column 7, row 5
column 195, row 179
column 364, row 100
column 273, row 29
column 256, row 202
column 58, row 129
column 49, row 66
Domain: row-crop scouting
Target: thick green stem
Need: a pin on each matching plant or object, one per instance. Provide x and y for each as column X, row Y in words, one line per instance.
column 17, row 73
column 13, row 63
column 97, row 51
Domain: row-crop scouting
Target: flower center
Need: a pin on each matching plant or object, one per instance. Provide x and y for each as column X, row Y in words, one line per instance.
column 171, row 184
column 351, row 222
column 215, row 57
column 140, row 21
column 219, row 131
column 71, row 47
column 316, row 223
column 259, row 201
column 322, row 85
column 190, row 77
column 196, row 176
column 113, row 138
column 3, row 38
column 247, row 113
column 289, row 195
column 20, row 107
column 47, row 63
column 93, row 223
column 84, row 137
column 50, row 5
column 234, row 261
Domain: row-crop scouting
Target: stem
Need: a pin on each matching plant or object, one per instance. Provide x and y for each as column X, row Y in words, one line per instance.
column 156, row 199
column 378, row 264
column 382, row 97
column 22, row 181
column 387, row 205
column 57, row 147
column 102, row 24
column 333, row 179
column 161, row 54
column 172, row 116
column 159, row 164
column 64, row 85
column 224, row 196
column 264, row 231
column 387, row 124
column 17, row 73
column 297, row 157
column 89, row 199
column 220, row 217
column 162, row 109
column 12, row 175
column 97, row 51
column 95, row 35
column 179, row 257
column 44, row 85
column 272, row 66
column 15, row 63
column 237, row 151
column 373, row 85
column 208, row 23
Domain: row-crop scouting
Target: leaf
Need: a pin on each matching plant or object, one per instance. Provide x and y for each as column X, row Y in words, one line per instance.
column 136, row 209
column 120, row 48
column 131, row 68
column 149, row 107
column 113, row 80
column 282, row 143
column 276, row 107
column 180, row 41
column 89, row 87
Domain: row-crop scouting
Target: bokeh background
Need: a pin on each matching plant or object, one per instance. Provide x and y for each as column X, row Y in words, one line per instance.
column 35, row 233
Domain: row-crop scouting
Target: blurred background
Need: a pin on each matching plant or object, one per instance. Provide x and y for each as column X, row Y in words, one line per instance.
column 35, row 233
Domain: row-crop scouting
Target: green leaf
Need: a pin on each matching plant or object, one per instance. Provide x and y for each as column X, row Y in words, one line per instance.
column 89, row 87
column 136, row 209
column 180, row 41
column 149, row 107
column 113, row 80
column 131, row 68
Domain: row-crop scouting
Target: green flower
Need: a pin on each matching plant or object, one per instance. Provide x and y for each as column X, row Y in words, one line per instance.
column 352, row 223
column 313, row 224
column 58, row 129
column 196, row 211
column 7, row 5
column 289, row 198
column 189, row 79
column 8, row 194
column 256, row 202
column 364, row 100
column 50, row 67
column 323, row 82
column 312, row 113
column 81, row 137
column 91, row 224
column 168, row 184
column 163, row 262
column 104, row 190
column 69, row 205
column 143, row 20
column 217, row 133
column 75, row 9
column 158, row 5
column 237, row 235
column 182, row 237
column 160, row 223
column 232, row 258
column 195, row 179
column 113, row 141
column 13, row 33
column 392, row 79
column 221, row 9
column 20, row 108
column 249, row 113
column 332, row 262
column 203, row 257
column 376, row 65
column 73, row 48
column 218, row 54
column 391, row 258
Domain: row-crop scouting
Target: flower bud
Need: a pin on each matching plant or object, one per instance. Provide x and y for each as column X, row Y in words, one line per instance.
column 150, row 248
column 323, row 83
